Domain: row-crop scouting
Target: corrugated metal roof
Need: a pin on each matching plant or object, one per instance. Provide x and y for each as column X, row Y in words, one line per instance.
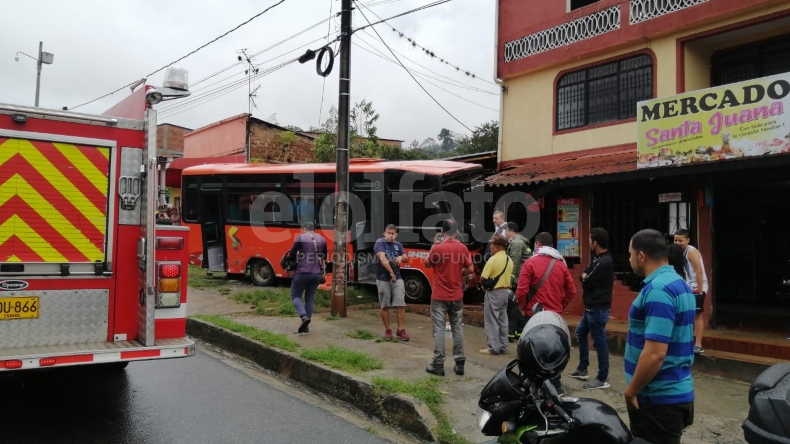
column 579, row 166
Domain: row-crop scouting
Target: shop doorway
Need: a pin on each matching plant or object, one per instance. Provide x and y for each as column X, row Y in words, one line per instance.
column 752, row 246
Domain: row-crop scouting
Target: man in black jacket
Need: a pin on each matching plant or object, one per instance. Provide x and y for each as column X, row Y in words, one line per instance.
column 597, row 283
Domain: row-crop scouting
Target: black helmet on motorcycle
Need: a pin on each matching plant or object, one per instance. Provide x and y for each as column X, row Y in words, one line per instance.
column 544, row 348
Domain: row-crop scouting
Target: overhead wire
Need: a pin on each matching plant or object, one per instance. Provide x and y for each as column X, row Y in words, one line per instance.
column 323, row 85
column 406, row 69
column 194, row 96
column 445, row 79
column 411, row 11
column 187, row 55
column 423, row 76
column 429, row 52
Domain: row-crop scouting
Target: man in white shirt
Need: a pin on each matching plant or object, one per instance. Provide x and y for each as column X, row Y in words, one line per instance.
column 499, row 228
column 697, row 280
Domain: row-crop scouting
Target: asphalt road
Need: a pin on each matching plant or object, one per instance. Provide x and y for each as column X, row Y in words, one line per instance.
column 193, row 400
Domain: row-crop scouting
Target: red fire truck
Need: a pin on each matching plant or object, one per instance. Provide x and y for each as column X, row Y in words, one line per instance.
column 86, row 277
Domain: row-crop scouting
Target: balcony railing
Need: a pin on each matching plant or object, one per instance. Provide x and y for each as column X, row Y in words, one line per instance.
column 582, row 28
column 643, row 10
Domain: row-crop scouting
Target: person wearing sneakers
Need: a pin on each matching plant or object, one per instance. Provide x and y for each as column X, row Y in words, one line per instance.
column 451, row 262
column 309, row 249
column 697, row 280
column 597, row 284
column 499, row 271
column 389, row 282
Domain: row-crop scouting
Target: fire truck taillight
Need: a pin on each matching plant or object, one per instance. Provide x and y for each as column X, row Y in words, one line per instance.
column 169, row 286
column 46, row 362
column 169, row 270
column 12, row 364
column 169, row 243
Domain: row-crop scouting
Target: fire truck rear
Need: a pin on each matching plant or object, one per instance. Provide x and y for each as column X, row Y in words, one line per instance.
column 86, row 276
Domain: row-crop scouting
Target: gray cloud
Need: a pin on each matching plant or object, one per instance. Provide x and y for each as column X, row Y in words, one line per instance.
column 100, row 46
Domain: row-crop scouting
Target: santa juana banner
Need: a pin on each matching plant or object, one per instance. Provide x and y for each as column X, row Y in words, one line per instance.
column 746, row 119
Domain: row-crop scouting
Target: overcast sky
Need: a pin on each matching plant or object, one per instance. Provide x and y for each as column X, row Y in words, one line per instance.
column 102, row 45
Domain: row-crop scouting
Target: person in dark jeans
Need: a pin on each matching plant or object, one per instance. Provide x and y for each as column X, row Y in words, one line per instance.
column 309, row 249
column 597, row 284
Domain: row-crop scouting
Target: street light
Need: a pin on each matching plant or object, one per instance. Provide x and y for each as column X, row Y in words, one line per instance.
column 43, row 58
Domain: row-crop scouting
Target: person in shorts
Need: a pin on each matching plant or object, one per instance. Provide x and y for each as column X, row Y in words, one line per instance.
column 389, row 282
column 697, row 280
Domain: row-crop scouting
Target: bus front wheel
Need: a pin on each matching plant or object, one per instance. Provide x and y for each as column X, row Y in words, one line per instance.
column 261, row 273
column 418, row 290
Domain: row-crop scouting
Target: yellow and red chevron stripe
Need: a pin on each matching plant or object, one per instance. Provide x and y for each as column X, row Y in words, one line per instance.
column 53, row 201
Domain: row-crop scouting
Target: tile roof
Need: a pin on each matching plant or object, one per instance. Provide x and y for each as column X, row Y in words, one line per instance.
column 579, row 166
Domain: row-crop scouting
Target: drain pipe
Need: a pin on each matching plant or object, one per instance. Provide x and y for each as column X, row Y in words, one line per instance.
column 502, row 87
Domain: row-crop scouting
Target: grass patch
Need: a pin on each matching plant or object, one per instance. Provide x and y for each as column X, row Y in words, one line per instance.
column 361, row 294
column 333, row 318
column 361, row 334
column 342, row 359
column 427, row 391
column 224, row 291
column 371, row 430
column 276, row 301
column 198, row 277
column 275, row 340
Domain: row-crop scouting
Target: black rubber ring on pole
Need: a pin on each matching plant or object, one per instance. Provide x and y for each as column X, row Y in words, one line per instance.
column 320, row 58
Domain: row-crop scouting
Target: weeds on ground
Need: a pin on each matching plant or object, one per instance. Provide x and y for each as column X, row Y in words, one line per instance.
column 361, row 334
column 333, row 318
column 198, row 277
column 342, row 359
column 371, row 430
column 275, row 340
column 224, row 291
column 427, row 391
column 274, row 301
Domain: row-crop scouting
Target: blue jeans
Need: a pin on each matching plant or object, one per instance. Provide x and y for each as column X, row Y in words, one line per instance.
column 594, row 322
column 306, row 283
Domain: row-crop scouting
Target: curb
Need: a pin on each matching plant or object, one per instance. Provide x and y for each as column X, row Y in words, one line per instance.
column 401, row 411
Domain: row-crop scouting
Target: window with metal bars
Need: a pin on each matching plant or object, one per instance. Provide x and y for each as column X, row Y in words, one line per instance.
column 604, row 93
column 764, row 59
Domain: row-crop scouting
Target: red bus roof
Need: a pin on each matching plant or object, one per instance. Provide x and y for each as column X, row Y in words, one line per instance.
column 433, row 167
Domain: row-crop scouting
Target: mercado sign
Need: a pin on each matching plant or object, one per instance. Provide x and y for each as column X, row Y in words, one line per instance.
column 746, row 119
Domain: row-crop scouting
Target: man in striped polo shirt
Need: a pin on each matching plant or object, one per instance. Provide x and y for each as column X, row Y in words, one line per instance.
column 660, row 345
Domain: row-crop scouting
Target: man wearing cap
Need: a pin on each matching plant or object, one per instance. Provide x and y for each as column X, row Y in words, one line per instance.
column 500, row 268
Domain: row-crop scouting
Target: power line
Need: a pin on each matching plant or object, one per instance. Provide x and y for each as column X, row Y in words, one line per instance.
column 448, row 80
column 189, row 54
column 430, row 52
column 227, row 90
column 323, row 86
column 423, row 76
column 178, row 103
column 409, row 72
column 411, row 11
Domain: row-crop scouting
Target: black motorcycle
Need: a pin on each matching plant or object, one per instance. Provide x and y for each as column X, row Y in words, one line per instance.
column 521, row 405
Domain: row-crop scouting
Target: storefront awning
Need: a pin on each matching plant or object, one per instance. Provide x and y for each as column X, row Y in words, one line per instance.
column 580, row 165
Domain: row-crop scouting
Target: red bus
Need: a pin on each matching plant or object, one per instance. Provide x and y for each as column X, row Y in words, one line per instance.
column 244, row 217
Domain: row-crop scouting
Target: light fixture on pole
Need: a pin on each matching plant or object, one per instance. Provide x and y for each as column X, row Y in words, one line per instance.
column 44, row 58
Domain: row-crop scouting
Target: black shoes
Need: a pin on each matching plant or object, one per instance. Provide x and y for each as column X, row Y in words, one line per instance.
column 305, row 323
column 438, row 371
column 459, row 367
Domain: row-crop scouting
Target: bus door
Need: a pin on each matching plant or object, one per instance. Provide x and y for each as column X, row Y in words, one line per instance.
column 367, row 222
column 213, row 229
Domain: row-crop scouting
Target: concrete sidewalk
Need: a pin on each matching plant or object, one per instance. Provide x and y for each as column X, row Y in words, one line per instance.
column 721, row 404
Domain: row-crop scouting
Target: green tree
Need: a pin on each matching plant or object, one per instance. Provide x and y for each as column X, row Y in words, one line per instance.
column 484, row 138
column 447, row 138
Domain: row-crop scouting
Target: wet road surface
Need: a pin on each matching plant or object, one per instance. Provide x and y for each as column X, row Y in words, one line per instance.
column 193, row 400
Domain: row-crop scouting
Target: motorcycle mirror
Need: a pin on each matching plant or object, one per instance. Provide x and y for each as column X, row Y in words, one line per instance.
column 551, row 392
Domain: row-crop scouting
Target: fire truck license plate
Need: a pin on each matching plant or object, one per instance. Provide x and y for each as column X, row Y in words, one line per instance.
column 18, row 308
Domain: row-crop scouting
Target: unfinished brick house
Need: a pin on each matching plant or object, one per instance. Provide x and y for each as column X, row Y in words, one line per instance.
column 232, row 136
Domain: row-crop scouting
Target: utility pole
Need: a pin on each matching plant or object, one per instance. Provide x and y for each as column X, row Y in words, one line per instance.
column 340, row 259
column 43, row 58
column 251, row 69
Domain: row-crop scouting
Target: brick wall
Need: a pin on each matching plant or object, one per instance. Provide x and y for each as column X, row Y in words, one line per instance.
column 171, row 137
column 265, row 146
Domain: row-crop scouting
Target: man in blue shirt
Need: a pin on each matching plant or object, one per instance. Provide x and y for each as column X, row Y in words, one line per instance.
column 660, row 346
column 392, row 292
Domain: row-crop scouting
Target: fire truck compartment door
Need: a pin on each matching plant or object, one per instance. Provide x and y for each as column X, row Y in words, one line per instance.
column 53, row 199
